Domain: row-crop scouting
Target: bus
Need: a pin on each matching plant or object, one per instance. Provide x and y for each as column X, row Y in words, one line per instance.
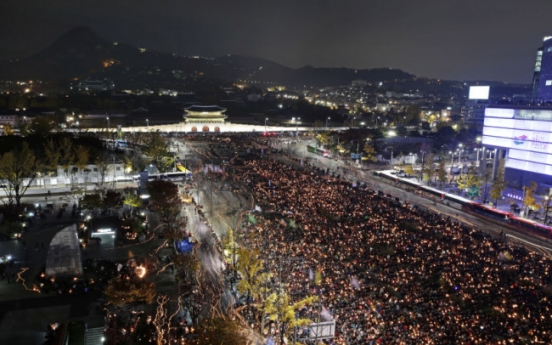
column 319, row 151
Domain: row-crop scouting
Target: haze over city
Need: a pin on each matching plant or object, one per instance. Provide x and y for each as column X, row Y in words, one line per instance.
column 455, row 40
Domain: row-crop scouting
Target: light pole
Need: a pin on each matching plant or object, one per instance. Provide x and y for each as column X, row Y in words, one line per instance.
column 327, row 122
column 451, row 161
column 297, row 127
column 107, row 122
column 147, row 123
column 266, row 119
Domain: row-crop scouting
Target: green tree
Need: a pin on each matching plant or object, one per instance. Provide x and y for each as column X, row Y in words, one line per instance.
column 18, row 169
column 132, row 200
column 469, row 180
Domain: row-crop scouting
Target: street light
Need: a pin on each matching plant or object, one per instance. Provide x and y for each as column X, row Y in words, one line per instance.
column 266, row 119
column 477, row 150
column 297, row 126
column 451, row 161
column 147, row 123
column 327, row 122
column 107, row 122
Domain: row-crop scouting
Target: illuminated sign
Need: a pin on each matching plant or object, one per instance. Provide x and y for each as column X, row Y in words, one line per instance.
column 526, row 133
column 479, row 92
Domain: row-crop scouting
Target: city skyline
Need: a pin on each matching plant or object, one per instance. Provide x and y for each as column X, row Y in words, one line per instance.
column 453, row 41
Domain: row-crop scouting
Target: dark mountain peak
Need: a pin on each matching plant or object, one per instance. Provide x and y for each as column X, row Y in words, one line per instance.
column 78, row 37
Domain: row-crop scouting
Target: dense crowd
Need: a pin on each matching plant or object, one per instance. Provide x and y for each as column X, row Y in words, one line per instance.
column 391, row 273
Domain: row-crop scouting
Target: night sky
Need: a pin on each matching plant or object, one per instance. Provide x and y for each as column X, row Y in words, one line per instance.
column 448, row 39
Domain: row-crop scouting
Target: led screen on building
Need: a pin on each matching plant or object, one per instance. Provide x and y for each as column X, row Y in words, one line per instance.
column 526, row 133
column 479, row 92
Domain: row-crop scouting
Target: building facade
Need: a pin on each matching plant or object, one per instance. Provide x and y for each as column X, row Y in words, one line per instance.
column 542, row 75
column 525, row 135
column 204, row 118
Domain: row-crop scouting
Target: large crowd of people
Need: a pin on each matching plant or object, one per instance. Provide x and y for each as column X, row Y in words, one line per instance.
column 389, row 272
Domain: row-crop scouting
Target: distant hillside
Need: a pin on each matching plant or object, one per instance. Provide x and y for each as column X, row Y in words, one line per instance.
column 80, row 54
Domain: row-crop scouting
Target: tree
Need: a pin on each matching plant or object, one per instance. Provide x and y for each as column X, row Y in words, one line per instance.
column 279, row 304
column 102, row 163
column 67, row 156
column 529, row 199
column 317, row 125
column 187, row 264
column 499, row 184
column 42, row 126
column 370, row 153
column 250, row 265
column 409, row 170
column 52, row 154
column 18, row 169
column 8, row 130
column 427, row 169
column 442, row 171
column 132, row 200
column 157, row 148
column 412, row 114
column 219, row 331
column 165, row 199
column 323, row 138
column 121, row 291
column 112, row 199
column 82, row 157
column 91, row 201
column 469, row 180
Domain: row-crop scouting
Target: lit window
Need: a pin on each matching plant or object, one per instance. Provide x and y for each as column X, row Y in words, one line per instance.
column 549, row 83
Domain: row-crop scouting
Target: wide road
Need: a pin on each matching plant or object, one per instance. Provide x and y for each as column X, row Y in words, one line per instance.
column 299, row 151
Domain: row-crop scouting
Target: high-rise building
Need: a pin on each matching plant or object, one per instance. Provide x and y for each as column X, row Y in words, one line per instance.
column 536, row 74
column 542, row 75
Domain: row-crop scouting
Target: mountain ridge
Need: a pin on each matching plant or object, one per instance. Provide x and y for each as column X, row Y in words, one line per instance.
column 80, row 54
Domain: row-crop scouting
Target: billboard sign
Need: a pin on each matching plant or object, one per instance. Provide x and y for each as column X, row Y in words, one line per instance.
column 479, row 92
column 526, row 133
